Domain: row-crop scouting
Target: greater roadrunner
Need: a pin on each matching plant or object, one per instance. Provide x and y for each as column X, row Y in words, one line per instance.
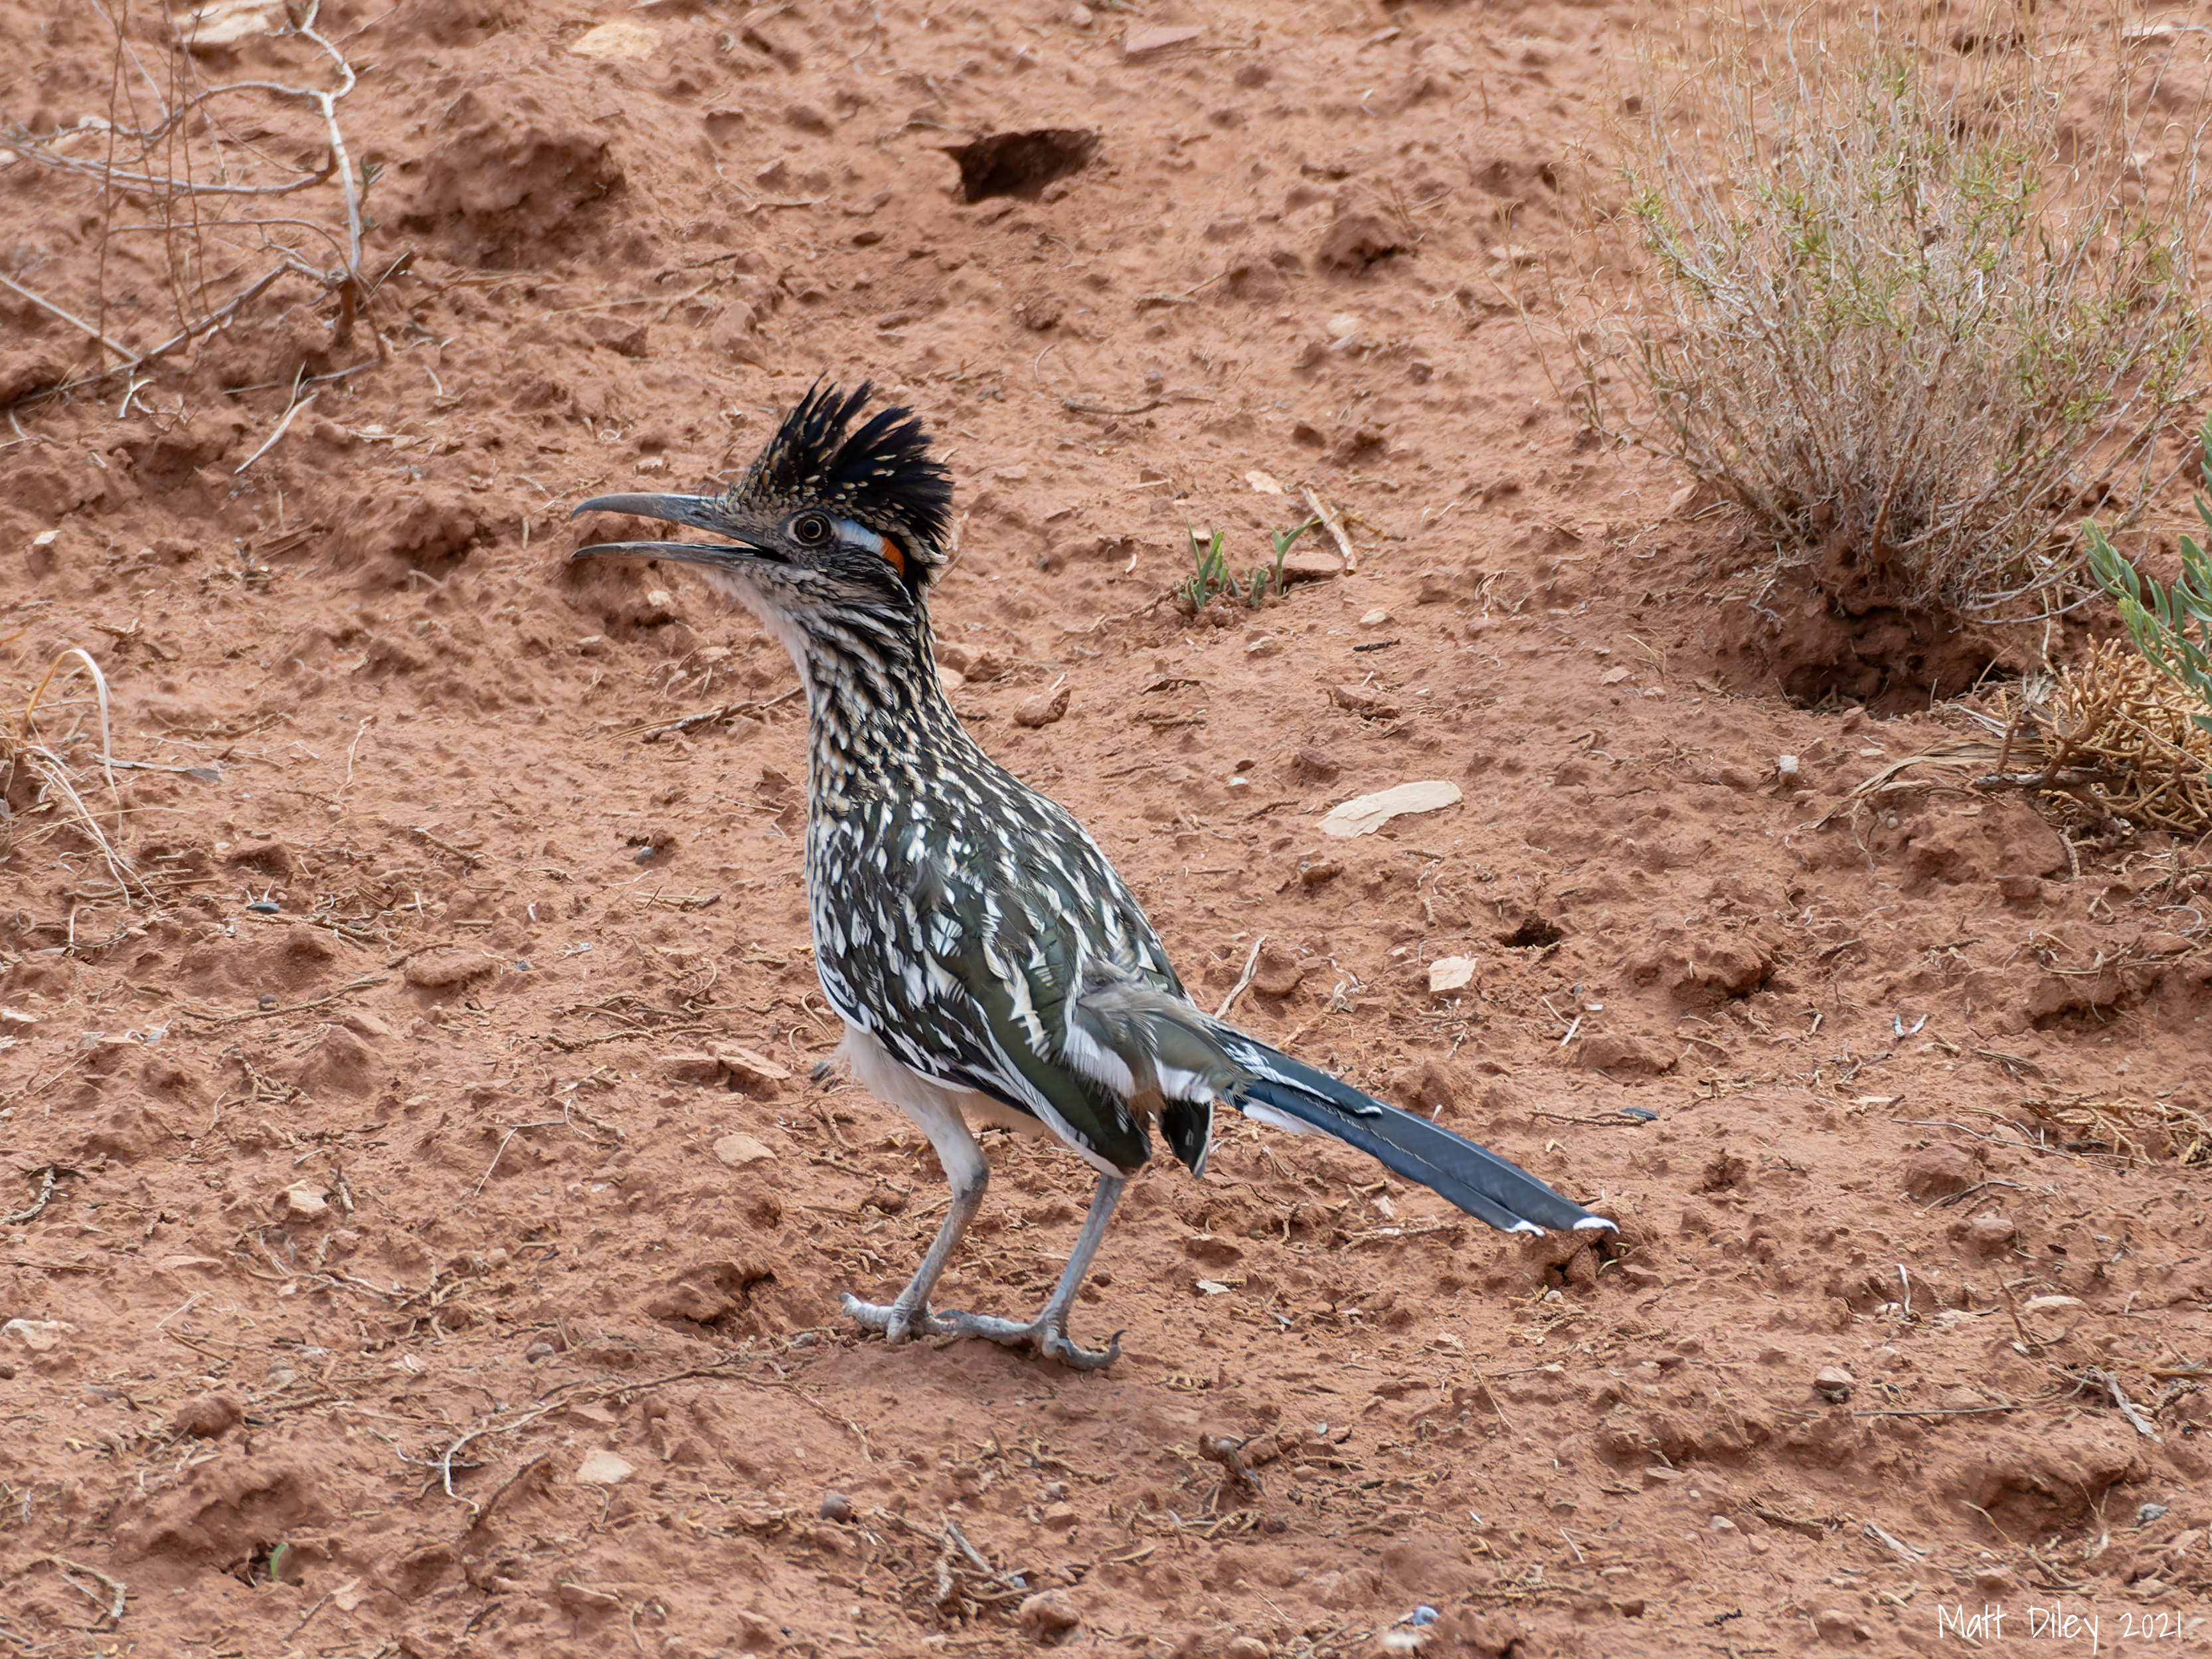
column 987, row 962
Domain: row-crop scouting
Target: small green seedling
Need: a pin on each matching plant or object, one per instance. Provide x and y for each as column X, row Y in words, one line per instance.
column 1210, row 569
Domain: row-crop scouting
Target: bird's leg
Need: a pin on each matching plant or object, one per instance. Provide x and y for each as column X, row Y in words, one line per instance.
column 965, row 1169
column 1048, row 1331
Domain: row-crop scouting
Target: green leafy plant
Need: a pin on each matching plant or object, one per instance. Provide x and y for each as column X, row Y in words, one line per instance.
column 1210, row 569
column 1867, row 275
column 2160, row 618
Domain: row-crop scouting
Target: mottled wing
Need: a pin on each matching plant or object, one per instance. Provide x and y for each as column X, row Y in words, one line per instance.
column 957, row 939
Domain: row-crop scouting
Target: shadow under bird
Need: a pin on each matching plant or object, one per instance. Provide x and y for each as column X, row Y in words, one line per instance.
column 988, row 963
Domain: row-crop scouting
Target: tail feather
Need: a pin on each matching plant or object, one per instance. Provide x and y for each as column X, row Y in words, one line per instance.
column 1477, row 1179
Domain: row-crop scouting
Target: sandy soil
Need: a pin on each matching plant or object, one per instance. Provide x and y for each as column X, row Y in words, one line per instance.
column 430, row 1230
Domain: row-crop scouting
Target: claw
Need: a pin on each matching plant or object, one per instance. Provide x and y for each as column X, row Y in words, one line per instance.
column 1047, row 1337
column 896, row 1323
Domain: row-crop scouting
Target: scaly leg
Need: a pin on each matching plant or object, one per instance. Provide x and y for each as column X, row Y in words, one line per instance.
column 1048, row 1331
column 964, row 1168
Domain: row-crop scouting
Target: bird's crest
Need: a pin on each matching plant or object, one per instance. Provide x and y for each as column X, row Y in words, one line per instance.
column 882, row 475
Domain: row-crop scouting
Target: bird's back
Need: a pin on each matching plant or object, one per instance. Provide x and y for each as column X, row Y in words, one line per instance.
column 955, row 910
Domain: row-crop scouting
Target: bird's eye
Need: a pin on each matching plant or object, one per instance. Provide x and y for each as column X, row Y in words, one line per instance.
column 810, row 528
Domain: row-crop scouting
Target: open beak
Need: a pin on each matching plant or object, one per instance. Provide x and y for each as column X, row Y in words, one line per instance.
column 698, row 512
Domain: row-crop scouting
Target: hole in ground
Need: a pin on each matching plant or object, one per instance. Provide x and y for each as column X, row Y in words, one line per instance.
column 1021, row 163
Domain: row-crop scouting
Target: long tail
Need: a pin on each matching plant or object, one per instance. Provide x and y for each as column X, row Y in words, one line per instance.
column 1296, row 1097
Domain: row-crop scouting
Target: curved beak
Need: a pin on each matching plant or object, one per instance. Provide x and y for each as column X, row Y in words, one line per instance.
column 697, row 511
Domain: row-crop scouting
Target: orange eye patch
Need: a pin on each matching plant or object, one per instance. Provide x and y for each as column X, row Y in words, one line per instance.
column 859, row 535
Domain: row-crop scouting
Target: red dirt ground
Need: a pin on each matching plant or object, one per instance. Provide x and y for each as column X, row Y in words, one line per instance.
column 446, row 1261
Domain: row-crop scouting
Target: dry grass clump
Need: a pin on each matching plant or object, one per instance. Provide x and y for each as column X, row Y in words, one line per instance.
column 1907, row 290
column 2116, row 733
column 2112, row 733
column 26, row 753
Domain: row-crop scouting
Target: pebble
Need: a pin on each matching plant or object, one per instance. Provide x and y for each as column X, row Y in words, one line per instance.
column 2147, row 1513
column 835, row 1506
column 268, row 999
column 304, row 1201
column 1833, row 1384
column 208, row 1416
column 1141, row 41
column 38, row 1335
column 738, row 1149
column 1049, row 1611
column 1990, row 1235
column 1450, row 973
column 538, row 1353
column 1041, row 709
column 602, row 1468
column 1375, row 618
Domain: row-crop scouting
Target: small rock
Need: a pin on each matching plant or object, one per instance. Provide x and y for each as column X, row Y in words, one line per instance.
column 1450, row 973
column 1833, row 1384
column 1364, row 814
column 738, row 1149
column 1375, row 618
column 1262, row 645
column 538, row 1353
column 754, row 1074
column 1049, row 1612
column 2147, row 1513
column 835, row 1506
column 1058, row 1517
column 1311, row 564
column 1941, row 1170
column 1137, row 44
column 1785, row 767
column 1722, row 1523
column 1041, row 710
column 440, row 970
column 38, row 1335
column 1363, row 700
column 304, row 1201
column 266, row 999
column 1990, row 1234
column 619, row 39
column 1834, row 1626
column 602, row 1468
column 208, row 1416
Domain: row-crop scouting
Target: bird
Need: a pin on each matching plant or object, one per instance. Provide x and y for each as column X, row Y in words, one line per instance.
column 990, row 966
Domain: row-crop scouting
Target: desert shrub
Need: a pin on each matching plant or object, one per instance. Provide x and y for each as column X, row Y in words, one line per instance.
column 1882, row 284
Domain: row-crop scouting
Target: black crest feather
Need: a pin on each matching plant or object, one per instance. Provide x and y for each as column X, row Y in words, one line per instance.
column 881, row 474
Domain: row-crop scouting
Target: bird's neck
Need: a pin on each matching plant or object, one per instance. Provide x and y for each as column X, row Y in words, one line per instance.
column 877, row 714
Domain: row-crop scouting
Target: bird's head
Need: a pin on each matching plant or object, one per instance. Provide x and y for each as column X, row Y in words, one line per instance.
column 829, row 520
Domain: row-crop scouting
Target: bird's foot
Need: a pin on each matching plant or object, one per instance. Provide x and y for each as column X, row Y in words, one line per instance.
column 896, row 1323
column 1047, row 1335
